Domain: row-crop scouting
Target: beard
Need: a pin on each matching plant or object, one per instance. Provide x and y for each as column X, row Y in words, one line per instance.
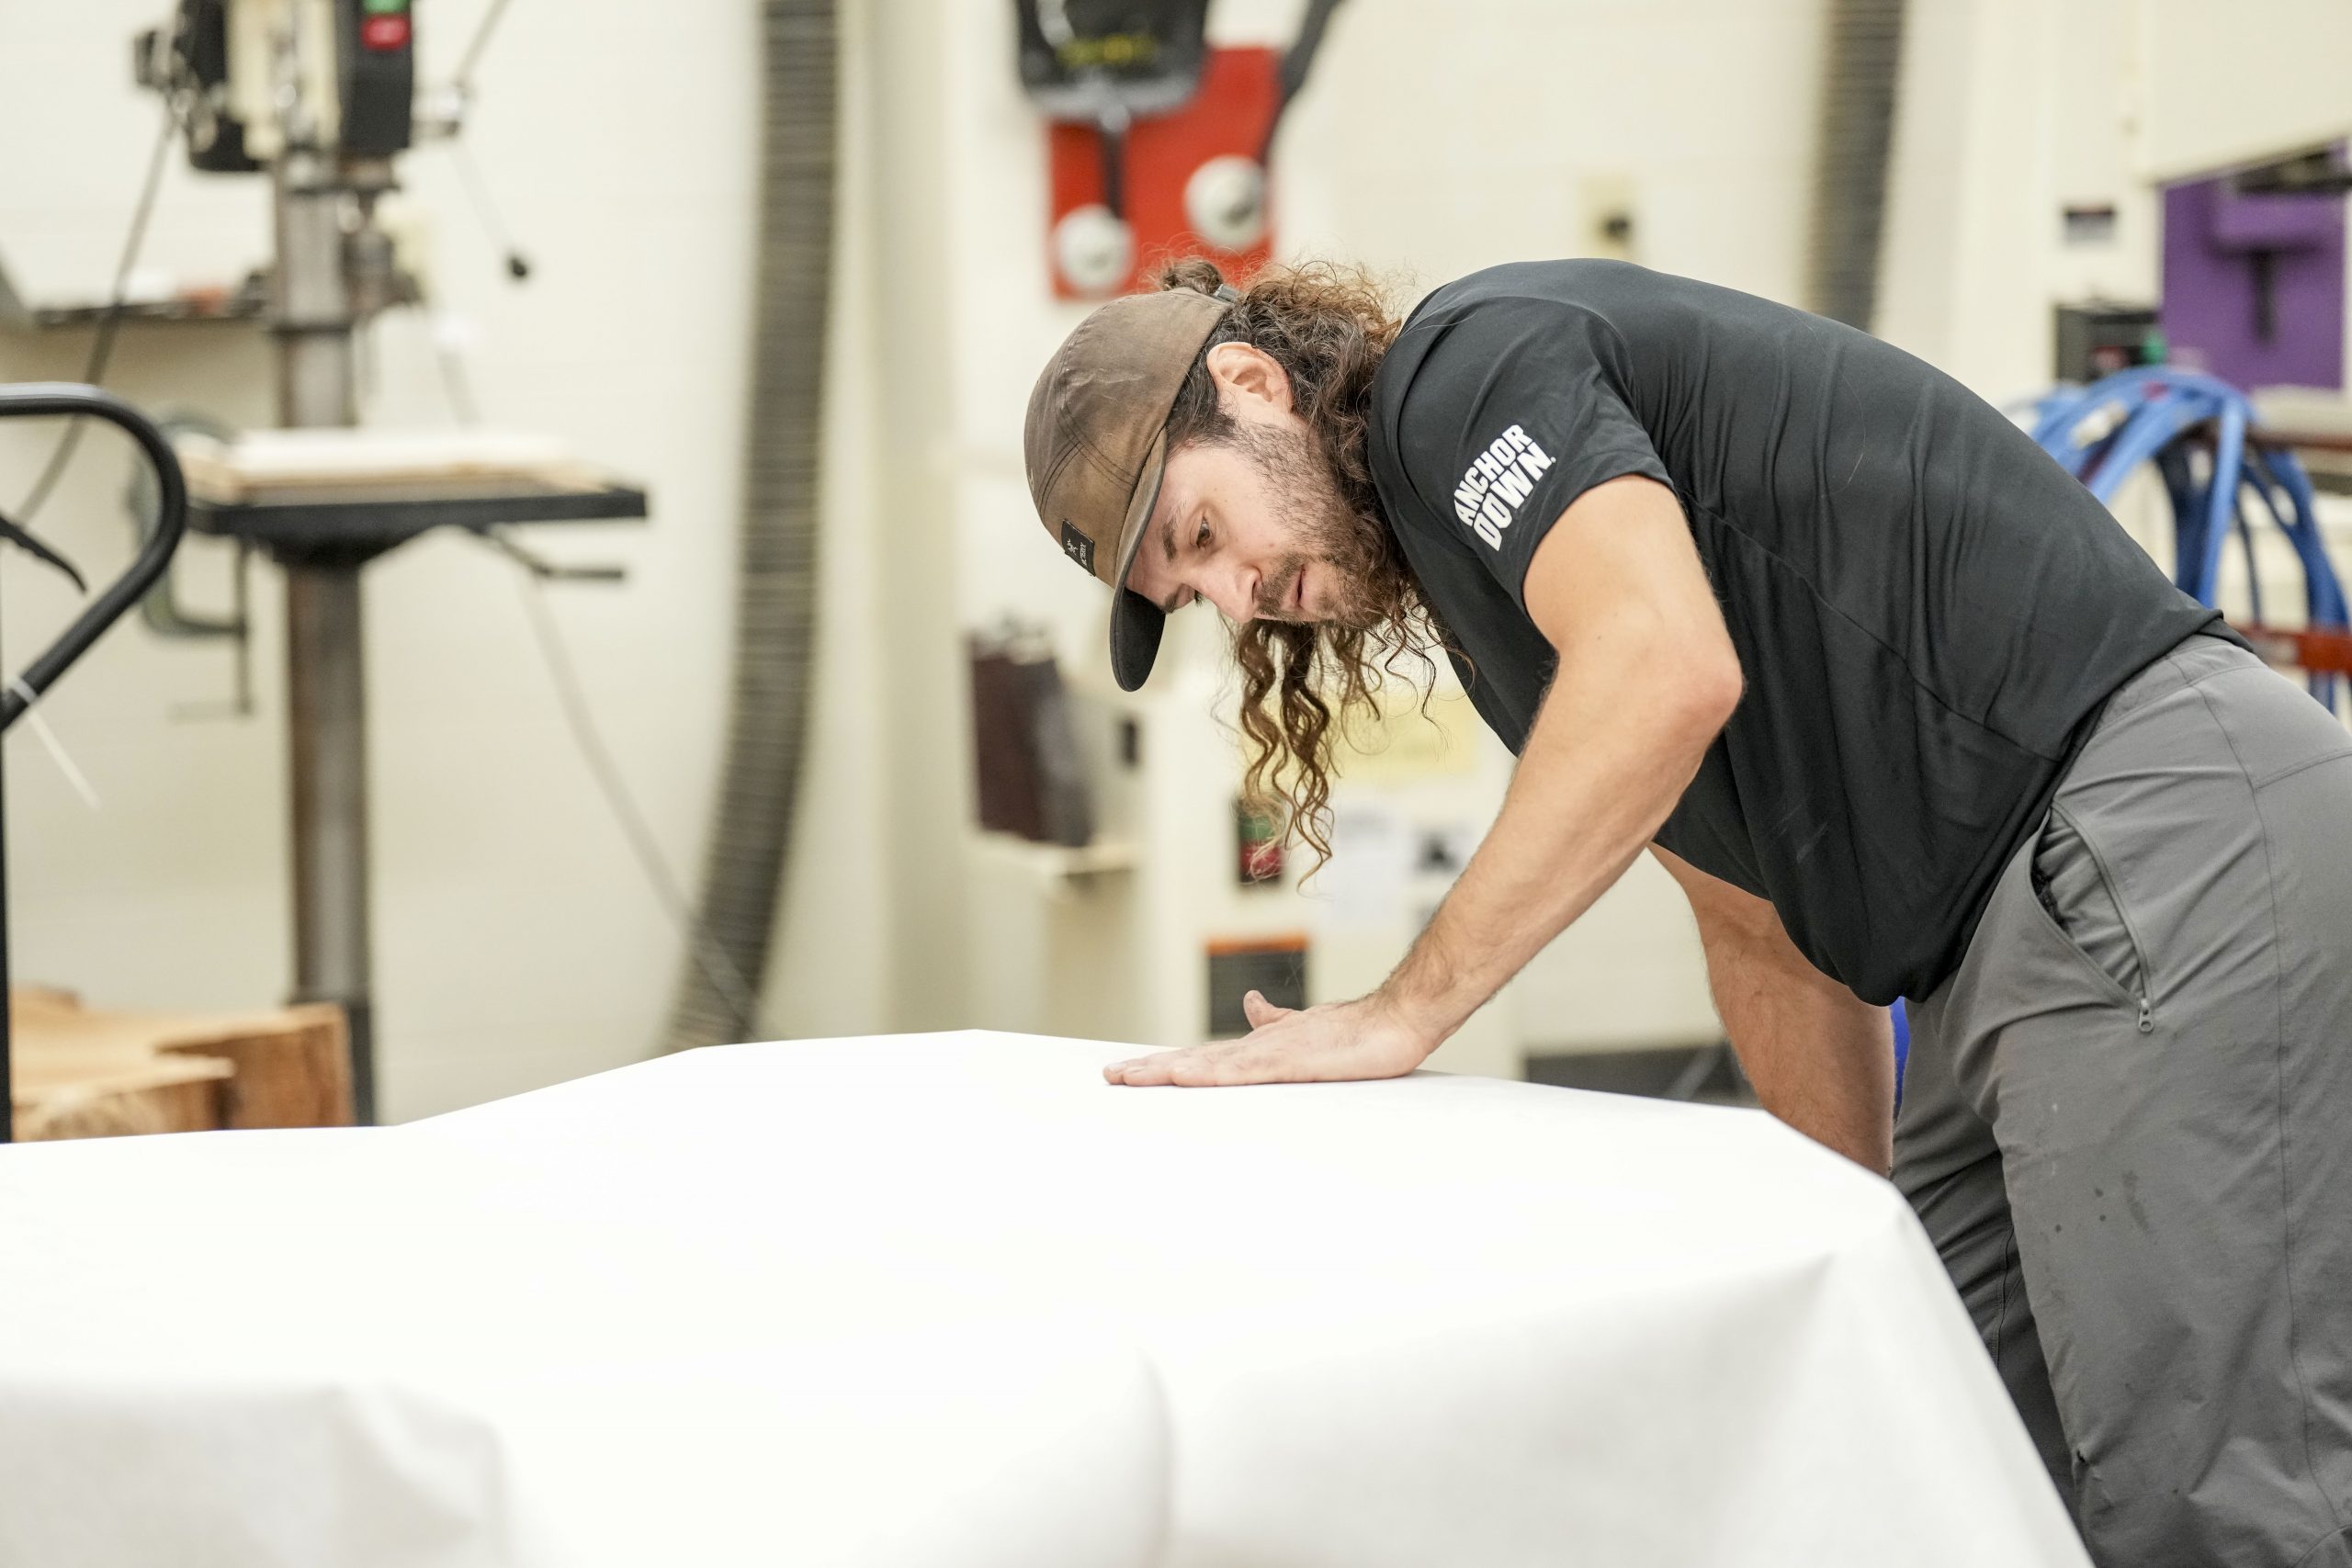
column 1354, row 550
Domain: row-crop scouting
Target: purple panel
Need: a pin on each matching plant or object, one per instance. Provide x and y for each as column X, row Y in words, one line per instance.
column 2276, row 222
column 2217, row 246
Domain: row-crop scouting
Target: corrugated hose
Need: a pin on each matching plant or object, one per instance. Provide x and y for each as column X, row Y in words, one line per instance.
column 770, row 684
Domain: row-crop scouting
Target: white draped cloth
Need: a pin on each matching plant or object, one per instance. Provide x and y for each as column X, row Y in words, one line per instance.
column 952, row 1302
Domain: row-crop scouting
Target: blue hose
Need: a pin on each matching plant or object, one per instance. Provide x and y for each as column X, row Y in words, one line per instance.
column 2152, row 410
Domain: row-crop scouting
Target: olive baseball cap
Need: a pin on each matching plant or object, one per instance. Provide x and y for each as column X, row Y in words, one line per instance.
column 1096, row 445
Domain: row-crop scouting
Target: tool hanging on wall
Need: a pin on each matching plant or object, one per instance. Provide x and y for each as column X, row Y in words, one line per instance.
column 1106, row 65
column 1029, row 778
column 1160, row 143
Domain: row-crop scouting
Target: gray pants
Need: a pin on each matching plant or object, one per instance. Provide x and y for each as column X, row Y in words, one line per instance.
column 2127, row 1123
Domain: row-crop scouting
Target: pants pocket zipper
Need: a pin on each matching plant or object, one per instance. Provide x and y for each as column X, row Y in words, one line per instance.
column 2145, row 995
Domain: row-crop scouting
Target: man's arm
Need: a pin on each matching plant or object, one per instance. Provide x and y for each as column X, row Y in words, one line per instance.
column 1821, row 1059
column 1646, row 677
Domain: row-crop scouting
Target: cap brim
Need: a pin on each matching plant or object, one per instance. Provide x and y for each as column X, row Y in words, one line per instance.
column 1136, row 621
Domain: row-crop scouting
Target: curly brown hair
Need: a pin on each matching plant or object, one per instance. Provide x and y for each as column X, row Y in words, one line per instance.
column 1328, row 326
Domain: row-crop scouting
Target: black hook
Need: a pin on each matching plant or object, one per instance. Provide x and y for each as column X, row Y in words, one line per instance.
column 49, row 397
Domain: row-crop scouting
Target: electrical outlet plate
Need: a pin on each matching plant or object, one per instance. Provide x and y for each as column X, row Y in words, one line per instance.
column 1607, row 203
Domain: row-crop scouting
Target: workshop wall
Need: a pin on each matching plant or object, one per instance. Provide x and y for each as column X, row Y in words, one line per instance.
column 2009, row 113
column 517, row 942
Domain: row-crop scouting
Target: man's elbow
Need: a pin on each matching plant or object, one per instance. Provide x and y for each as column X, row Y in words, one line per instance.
column 1703, row 688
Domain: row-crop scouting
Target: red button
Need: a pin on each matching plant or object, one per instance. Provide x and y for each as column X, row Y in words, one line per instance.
column 383, row 32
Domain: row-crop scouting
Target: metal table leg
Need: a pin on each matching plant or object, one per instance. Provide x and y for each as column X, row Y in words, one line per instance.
column 327, row 754
column 326, row 720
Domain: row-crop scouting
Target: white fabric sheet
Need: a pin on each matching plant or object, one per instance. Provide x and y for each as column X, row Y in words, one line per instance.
column 952, row 1302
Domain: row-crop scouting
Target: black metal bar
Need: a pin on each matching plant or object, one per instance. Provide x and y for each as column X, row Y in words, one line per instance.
column 51, row 397
column 45, row 399
column 344, row 527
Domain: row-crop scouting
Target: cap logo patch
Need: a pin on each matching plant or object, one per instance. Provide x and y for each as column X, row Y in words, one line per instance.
column 1077, row 546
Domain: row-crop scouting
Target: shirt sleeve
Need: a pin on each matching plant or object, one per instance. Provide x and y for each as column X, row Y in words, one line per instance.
column 1517, row 409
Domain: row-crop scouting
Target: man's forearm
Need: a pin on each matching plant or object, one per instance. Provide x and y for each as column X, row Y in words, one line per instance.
column 1618, row 739
column 1821, row 1059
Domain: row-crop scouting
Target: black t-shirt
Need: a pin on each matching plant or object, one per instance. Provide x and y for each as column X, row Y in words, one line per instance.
column 1928, row 611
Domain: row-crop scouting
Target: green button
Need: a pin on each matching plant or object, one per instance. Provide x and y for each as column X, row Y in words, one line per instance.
column 383, row 8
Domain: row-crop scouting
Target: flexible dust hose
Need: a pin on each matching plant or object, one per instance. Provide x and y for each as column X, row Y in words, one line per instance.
column 770, row 684
column 1863, row 55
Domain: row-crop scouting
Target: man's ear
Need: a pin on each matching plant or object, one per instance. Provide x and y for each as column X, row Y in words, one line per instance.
column 1244, row 373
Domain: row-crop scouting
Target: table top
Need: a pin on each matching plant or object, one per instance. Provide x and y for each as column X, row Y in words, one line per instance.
column 952, row 1300
column 376, row 523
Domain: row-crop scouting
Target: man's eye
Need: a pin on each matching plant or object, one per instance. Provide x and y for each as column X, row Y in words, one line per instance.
column 1200, row 539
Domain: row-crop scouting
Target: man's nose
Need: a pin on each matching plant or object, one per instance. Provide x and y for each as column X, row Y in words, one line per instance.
column 1234, row 591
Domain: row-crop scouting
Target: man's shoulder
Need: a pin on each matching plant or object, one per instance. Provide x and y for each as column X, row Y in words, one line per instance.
column 1584, row 301
column 1478, row 355
column 1587, row 282
column 1559, row 302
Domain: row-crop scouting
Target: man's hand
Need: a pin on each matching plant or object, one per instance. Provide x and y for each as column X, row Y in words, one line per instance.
column 1337, row 1042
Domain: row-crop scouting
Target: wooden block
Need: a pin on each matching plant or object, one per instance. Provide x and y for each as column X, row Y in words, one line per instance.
column 76, row 1076
column 83, row 1072
column 163, row 1095
column 293, row 1065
